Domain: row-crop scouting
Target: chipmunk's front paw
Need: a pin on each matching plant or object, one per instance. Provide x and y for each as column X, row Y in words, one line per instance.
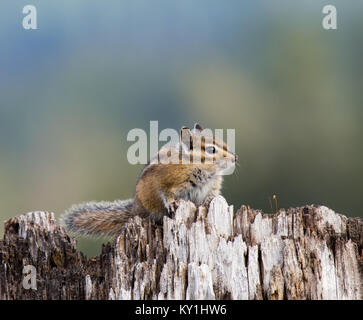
column 173, row 206
column 207, row 202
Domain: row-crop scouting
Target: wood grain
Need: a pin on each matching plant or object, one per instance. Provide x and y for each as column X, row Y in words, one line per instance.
column 303, row 253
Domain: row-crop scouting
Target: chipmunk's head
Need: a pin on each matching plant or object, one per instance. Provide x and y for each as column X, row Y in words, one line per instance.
column 205, row 149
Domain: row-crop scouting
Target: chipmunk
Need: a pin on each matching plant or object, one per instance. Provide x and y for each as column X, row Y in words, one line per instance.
column 191, row 169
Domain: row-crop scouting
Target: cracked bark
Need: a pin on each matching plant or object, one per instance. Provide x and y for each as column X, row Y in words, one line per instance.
column 303, row 253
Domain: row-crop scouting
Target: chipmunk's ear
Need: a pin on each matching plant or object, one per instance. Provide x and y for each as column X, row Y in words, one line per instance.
column 186, row 138
column 198, row 127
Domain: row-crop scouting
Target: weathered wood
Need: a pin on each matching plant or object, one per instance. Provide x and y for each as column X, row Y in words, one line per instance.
column 303, row 253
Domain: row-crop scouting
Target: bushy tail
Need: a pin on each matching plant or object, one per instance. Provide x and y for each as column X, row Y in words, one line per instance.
column 97, row 218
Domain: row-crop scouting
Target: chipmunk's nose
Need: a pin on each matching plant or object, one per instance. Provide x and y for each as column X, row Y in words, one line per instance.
column 235, row 158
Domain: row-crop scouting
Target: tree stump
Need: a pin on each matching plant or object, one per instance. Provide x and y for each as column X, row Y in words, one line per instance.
column 303, row 253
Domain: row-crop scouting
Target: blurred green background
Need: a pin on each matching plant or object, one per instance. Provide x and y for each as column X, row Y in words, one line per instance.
column 71, row 91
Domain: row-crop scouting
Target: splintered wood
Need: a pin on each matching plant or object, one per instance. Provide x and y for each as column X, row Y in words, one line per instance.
column 304, row 253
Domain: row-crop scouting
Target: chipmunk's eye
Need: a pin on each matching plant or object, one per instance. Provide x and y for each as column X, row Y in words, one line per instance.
column 211, row 150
